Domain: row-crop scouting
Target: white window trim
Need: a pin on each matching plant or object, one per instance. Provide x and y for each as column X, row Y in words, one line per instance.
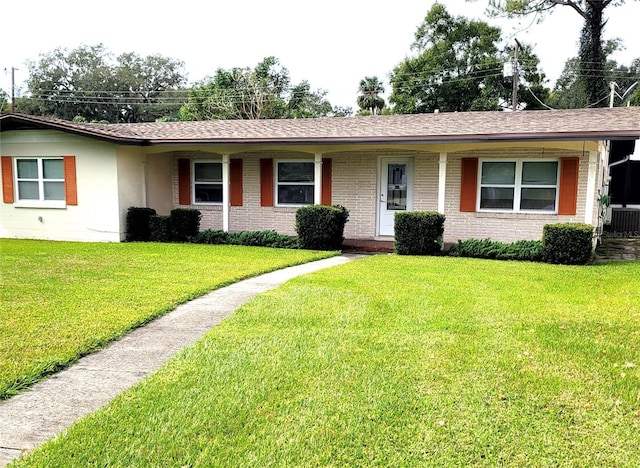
column 276, row 183
column 41, row 202
column 517, row 186
column 193, row 181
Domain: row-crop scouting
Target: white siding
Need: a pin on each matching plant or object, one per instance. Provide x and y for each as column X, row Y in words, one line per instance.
column 95, row 218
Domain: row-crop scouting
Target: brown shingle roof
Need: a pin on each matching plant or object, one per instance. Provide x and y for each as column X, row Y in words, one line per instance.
column 442, row 127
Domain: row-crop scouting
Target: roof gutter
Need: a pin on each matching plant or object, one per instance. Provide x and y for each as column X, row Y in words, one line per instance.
column 425, row 139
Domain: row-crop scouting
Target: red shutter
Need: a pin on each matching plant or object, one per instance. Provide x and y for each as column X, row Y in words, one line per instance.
column 235, row 176
column 326, row 181
column 568, row 200
column 266, row 182
column 70, row 181
column 7, row 179
column 184, row 182
column 469, row 184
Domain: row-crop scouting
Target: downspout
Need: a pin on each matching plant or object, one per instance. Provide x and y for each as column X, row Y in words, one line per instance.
column 622, row 161
column 627, row 180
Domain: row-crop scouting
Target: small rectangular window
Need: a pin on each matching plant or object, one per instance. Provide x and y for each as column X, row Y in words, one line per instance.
column 497, row 185
column 40, row 179
column 539, row 186
column 295, row 182
column 207, row 182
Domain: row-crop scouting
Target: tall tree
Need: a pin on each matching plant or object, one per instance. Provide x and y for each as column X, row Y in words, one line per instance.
column 304, row 103
column 87, row 83
column 4, row 101
column 592, row 56
column 369, row 92
column 240, row 93
column 264, row 92
column 568, row 92
column 458, row 66
column 150, row 87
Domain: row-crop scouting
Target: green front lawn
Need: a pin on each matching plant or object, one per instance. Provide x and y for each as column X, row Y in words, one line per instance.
column 394, row 361
column 61, row 300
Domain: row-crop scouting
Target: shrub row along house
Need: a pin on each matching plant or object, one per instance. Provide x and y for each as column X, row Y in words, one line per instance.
column 498, row 175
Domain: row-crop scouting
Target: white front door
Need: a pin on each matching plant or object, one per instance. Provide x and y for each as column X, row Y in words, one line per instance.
column 396, row 180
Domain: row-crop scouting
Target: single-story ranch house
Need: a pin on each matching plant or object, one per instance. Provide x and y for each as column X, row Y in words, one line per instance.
column 498, row 175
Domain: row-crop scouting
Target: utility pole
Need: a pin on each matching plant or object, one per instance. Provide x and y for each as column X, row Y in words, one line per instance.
column 612, row 93
column 13, row 87
column 516, row 77
column 626, row 95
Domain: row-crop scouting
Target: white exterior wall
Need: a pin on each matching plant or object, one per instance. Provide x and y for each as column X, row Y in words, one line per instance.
column 95, row 218
column 159, row 176
column 131, row 182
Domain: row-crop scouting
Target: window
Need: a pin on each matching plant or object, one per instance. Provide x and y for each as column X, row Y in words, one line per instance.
column 207, row 182
column 519, row 185
column 295, row 183
column 40, row 179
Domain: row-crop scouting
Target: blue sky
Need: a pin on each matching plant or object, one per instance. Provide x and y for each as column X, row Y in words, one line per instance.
column 332, row 44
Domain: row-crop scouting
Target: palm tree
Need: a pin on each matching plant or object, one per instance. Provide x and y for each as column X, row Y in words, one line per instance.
column 369, row 98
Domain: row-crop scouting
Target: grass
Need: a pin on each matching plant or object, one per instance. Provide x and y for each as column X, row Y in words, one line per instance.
column 61, row 300
column 394, row 361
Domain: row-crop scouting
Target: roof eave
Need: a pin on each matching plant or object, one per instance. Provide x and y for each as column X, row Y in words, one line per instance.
column 424, row 139
column 35, row 123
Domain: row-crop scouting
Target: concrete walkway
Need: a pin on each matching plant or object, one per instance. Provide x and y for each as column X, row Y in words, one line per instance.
column 49, row 407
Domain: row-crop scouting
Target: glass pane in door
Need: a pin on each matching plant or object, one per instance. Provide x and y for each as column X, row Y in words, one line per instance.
column 397, row 187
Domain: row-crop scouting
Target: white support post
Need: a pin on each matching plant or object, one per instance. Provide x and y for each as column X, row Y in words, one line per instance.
column 226, row 179
column 442, row 181
column 591, row 187
column 317, row 184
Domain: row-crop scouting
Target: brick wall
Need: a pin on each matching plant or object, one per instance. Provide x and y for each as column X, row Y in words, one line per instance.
column 505, row 227
column 355, row 186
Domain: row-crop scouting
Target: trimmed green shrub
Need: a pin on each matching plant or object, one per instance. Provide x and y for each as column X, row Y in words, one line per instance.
column 264, row 239
column 138, row 224
column 160, row 228
column 321, row 227
column 255, row 238
column 185, row 224
column 211, row 236
column 567, row 243
column 523, row 250
column 418, row 232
